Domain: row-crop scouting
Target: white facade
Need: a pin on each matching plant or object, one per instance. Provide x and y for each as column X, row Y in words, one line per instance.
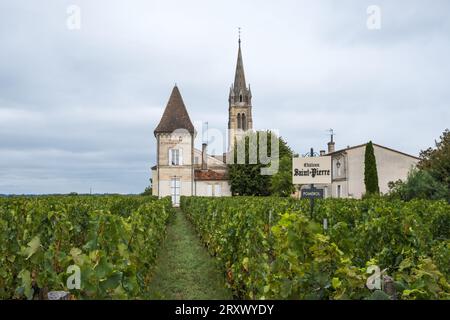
column 187, row 178
column 173, row 175
column 348, row 170
column 212, row 188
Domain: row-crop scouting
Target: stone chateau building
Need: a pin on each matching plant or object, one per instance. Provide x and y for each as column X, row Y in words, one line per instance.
column 183, row 170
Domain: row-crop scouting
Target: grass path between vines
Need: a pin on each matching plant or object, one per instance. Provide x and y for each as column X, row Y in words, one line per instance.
column 184, row 269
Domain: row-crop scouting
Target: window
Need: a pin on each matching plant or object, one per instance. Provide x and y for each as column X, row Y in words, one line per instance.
column 240, row 98
column 217, row 190
column 175, row 157
column 244, row 122
column 175, row 188
column 196, row 160
column 239, row 124
column 209, row 191
column 338, row 190
column 338, row 168
column 213, row 190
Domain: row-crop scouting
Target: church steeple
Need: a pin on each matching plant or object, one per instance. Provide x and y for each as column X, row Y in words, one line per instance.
column 239, row 78
column 239, row 92
column 240, row 102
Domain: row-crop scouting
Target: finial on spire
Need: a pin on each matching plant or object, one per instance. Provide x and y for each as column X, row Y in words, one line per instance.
column 239, row 36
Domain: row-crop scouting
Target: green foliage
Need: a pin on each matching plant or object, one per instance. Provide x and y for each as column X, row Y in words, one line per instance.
column 370, row 171
column 424, row 280
column 112, row 239
column 270, row 249
column 431, row 179
column 246, row 179
column 420, row 184
column 437, row 161
column 148, row 190
column 281, row 182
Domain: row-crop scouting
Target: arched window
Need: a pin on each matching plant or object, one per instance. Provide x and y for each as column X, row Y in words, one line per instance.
column 240, row 98
column 244, row 122
column 239, row 124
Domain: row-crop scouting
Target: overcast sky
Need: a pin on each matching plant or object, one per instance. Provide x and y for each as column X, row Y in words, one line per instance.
column 78, row 107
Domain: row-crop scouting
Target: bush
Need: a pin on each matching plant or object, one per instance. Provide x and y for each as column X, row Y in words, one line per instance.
column 420, row 184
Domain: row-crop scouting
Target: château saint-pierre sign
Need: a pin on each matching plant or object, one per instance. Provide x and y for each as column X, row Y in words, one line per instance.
column 311, row 170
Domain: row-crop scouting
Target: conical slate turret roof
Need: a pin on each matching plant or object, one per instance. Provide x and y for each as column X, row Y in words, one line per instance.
column 175, row 115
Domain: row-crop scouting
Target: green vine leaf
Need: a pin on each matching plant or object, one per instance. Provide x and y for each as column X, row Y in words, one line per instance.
column 32, row 248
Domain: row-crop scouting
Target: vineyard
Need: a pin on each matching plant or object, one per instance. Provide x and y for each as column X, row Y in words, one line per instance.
column 264, row 248
column 269, row 248
column 114, row 240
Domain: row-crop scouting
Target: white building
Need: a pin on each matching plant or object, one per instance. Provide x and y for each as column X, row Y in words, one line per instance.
column 182, row 170
column 348, row 169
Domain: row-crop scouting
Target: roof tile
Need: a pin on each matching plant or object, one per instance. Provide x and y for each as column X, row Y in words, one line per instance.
column 175, row 115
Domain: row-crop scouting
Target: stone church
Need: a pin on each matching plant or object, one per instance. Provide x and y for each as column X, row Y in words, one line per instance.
column 183, row 170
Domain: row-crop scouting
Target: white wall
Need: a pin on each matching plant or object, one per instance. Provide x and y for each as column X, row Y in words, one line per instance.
column 155, row 182
column 391, row 166
column 201, row 188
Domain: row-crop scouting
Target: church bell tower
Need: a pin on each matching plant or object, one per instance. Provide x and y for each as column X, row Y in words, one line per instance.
column 240, row 104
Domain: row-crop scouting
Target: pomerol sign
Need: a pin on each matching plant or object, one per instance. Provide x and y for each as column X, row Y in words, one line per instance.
column 312, row 193
column 311, row 170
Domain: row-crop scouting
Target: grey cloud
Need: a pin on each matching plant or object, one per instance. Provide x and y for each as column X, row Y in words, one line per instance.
column 78, row 108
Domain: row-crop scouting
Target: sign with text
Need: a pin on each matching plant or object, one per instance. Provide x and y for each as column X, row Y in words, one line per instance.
column 312, row 193
column 311, row 170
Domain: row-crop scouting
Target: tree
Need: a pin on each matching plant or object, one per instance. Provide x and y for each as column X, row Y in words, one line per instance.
column 281, row 182
column 420, row 184
column 148, row 191
column 370, row 171
column 246, row 179
column 437, row 161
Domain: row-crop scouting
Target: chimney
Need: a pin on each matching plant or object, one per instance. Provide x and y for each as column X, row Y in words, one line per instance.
column 204, row 157
column 330, row 147
column 331, row 143
column 322, row 153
